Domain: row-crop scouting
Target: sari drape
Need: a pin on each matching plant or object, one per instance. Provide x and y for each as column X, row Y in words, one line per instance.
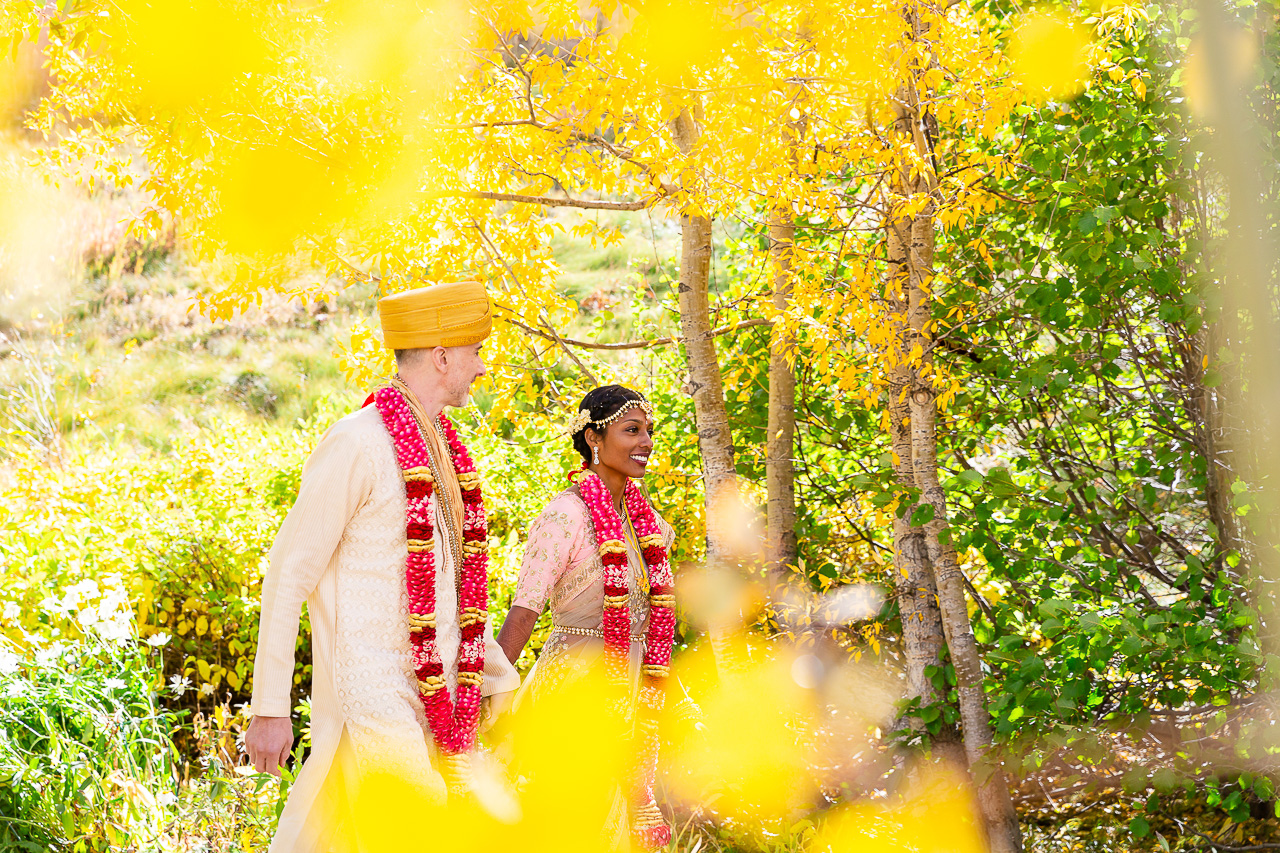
column 562, row 569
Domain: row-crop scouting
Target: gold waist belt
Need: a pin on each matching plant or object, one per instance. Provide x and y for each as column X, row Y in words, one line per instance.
column 591, row 632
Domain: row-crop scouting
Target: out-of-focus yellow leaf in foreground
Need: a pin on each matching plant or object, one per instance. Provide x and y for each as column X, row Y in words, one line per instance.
column 750, row 753
column 19, row 82
column 936, row 815
column 185, row 53
column 1050, row 55
column 270, row 195
column 571, row 748
column 673, row 38
column 410, row 48
column 568, row 749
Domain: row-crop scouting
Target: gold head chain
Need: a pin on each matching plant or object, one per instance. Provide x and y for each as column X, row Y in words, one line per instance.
column 583, row 419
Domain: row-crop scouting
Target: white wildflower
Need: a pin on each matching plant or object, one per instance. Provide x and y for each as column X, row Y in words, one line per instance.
column 9, row 662
column 85, row 590
column 166, row 798
column 50, row 655
column 12, row 611
column 87, row 617
column 119, row 628
column 206, row 689
column 157, row 640
column 61, row 607
column 115, row 683
column 179, row 684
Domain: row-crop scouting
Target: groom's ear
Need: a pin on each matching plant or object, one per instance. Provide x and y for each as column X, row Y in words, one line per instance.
column 440, row 358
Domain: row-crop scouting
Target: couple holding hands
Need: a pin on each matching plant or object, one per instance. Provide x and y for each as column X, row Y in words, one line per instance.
column 387, row 543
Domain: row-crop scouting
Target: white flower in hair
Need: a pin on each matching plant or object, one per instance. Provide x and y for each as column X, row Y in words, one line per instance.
column 580, row 422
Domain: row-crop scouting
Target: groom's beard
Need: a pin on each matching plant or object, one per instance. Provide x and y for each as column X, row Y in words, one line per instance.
column 460, row 395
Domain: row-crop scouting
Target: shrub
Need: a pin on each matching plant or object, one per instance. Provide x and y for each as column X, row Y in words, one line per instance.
column 86, row 762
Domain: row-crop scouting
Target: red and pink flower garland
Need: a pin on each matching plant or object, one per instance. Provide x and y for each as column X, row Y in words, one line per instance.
column 653, row 832
column 453, row 725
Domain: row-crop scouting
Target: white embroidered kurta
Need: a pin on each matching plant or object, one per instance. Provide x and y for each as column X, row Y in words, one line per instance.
column 342, row 550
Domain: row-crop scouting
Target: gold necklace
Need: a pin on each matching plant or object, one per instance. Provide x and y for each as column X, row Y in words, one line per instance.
column 633, row 539
column 442, row 494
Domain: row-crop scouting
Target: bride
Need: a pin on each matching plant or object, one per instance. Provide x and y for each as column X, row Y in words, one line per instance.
column 598, row 555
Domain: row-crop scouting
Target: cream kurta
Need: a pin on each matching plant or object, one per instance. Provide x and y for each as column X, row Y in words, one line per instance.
column 342, row 550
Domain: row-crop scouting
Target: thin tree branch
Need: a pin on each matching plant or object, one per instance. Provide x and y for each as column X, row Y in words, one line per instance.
column 552, row 201
column 494, row 255
column 1211, row 844
column 645, row 344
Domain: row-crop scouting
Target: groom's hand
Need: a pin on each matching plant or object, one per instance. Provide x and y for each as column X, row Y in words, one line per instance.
column 268, row 742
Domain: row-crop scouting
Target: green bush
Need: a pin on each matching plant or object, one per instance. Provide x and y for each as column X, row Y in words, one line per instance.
column 86, row 761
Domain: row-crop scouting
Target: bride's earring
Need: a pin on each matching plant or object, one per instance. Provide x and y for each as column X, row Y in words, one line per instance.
column 595, row 456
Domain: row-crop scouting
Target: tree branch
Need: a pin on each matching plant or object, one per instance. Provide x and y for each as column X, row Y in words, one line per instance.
column 552, row 201
column 494, row 255
column 645, row 344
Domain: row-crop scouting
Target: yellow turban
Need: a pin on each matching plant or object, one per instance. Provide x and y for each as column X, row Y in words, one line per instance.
column 442, row 315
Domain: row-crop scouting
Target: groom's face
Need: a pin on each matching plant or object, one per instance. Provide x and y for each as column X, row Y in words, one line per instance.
column 463, row 366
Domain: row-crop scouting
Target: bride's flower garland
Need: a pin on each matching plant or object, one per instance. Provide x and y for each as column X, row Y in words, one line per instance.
column 453, row 724
column 649, row 825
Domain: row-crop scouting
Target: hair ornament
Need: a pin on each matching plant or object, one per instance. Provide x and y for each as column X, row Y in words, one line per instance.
column 583, row 418
column 580, row 422
column 642, row 404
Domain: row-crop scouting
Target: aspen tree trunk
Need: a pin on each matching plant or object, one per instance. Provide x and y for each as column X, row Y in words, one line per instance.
column 913, row 175
column 1207, row 407
column 1210, row 431
column 705, row 382
column 923, row 638
column 780, row 473
column 993, row 792
column 706, row 385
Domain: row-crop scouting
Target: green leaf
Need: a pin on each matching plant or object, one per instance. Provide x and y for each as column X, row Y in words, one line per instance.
column 923, row 515
column 1104, row 214
column 1054, row 607
column 1139, row 827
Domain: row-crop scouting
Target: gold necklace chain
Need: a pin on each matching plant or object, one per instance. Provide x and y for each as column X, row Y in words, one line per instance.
column 634, row 539
column 443, row 499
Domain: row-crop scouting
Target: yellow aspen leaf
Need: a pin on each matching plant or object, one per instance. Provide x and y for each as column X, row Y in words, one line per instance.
column 1050, row 56
column 672, row 38
column 186, row 53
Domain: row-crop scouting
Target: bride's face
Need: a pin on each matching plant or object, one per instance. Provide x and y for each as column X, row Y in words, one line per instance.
column 628, row 443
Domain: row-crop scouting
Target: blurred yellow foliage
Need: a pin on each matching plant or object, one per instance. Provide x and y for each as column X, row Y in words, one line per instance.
column 750, row 754
column 936, row 814
column 569, row 748
column 186, row 54
column 269, row 196
column 1050, row 55
column 671, row 38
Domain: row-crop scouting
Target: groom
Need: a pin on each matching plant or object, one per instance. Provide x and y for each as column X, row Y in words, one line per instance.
column 387, row 637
